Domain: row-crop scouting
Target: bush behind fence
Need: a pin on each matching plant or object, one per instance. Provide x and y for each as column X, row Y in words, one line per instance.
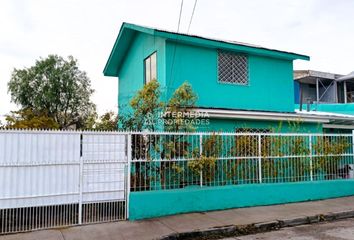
column 161, row 161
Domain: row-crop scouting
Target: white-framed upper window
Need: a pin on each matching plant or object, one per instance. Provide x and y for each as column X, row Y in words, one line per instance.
column 150, row 68
column 232, row 68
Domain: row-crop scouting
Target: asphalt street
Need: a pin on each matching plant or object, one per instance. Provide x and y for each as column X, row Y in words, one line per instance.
column 337, row 230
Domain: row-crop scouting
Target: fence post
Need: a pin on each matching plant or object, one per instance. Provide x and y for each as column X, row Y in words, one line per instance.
column 81, row 169
column 310, row 149
column 353, row 145
column 129, row 158
column 352, row 150
column 200, row 155
column 259, row 158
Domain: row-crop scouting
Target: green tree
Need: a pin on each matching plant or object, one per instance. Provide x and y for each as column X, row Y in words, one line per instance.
column 147, row 111
column 146, row 107
column 56, row 86
column 179, row 109
column 28, row 119
column 91, row 121
column 107, row 122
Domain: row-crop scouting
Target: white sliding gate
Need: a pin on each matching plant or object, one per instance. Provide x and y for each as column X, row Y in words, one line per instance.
column 60, row 178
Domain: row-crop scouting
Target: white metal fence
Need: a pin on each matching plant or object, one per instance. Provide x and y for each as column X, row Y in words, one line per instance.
column 53, row 178
column 179, row 160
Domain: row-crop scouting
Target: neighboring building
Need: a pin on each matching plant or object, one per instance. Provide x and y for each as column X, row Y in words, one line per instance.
column 325, row 92
column 322, row 87
column 239, row 85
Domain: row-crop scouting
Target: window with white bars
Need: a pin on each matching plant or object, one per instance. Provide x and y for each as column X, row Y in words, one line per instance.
column 232, row 68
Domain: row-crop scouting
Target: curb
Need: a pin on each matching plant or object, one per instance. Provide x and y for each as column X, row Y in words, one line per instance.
column 239, row 230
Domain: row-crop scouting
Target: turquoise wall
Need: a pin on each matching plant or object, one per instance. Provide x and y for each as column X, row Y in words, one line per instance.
column 276, row 126
column 342, row 108
column 267, row 90
column 131, row 74
column 161, row 203
column 270, row 80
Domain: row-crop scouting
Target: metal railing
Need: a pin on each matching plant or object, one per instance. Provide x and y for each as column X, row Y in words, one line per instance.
column 180, row 160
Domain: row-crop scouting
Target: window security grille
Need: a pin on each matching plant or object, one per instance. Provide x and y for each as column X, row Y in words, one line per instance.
column 232, row 68
column 253, row 130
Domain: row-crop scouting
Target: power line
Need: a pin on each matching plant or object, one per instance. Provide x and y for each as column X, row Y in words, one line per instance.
column 175, row 46
column 190, row 21
column 180, row 16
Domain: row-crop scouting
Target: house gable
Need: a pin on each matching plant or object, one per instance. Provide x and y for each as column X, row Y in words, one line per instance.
column 128, row 30
column 131, row 72
column 194, row 59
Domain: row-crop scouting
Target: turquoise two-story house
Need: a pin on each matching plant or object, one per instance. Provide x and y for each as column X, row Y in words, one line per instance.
column 239, row 86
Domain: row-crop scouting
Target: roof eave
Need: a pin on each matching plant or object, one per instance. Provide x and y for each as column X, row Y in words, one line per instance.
column 278, row 116
column 201, row 41
column 113, row 63
column 109, row 69
column 258, row 115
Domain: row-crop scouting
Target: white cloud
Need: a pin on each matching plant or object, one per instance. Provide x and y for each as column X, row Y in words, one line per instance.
column 87, row 30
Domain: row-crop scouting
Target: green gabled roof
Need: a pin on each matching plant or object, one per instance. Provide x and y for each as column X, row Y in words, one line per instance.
column 128, row 31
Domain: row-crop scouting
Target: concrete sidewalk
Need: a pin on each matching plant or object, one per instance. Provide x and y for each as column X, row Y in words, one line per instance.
column 161, row 227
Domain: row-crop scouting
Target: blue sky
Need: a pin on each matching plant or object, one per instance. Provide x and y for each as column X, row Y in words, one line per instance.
column 86, row 29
